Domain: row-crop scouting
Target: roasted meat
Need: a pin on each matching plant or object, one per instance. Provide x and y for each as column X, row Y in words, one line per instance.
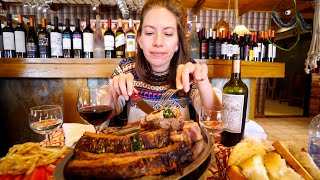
column 103, row 143
column 129, row 165
column 190, row 133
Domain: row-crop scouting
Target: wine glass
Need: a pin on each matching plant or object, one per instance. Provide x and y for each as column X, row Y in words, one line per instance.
column 45, row 119
column 213, row 120
column 95, row 105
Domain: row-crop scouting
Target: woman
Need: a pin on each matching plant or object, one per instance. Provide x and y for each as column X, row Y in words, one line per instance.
column 161, row 63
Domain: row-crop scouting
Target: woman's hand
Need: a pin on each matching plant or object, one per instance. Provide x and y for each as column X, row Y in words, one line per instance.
column 188, row 72
column 122, row 85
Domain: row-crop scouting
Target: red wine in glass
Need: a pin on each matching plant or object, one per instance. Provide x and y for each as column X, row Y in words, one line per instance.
column 96, row 115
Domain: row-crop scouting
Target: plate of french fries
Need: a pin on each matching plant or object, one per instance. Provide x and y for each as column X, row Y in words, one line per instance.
column 31, row 161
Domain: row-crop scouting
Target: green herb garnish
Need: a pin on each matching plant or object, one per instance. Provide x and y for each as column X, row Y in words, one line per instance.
column 167, row 113
column 136, row 143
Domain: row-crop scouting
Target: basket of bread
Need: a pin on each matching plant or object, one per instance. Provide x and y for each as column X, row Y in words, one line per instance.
column 264, row 160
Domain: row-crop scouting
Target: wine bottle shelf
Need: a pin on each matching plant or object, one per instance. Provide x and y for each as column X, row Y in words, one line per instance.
column 103, row 68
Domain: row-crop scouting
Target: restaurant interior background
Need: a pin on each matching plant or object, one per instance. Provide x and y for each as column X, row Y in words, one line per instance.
column 286, row 97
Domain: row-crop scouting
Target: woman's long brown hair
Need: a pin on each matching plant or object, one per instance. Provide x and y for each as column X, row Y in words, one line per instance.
column 181, row 56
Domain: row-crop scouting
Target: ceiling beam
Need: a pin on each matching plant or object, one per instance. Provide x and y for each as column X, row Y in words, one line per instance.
column 196, row 8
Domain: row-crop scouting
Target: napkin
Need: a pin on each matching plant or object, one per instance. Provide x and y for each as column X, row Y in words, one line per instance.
column 73, row 132
column 254, row 130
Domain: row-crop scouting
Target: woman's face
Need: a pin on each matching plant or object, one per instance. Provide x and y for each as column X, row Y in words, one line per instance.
column 159, row 38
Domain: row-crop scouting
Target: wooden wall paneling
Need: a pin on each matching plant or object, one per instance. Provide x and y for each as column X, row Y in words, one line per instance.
column 252, row 101
column 70, row 89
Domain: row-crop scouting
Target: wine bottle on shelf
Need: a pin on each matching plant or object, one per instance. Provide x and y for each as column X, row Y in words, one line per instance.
column 269, row 47
column 9, row 49
column 32, row 41
column 260, row 40
column 130, row 41
column 77, row 41
column 247, row 47
column 44, row 40
column 255, row 48
column 56, row 40
column 241, row 47
column 194, row 45
column 120, row 41
column 235, row 47
column 224, row 47
column 229, row 46
column 234, row 99
column 67, row 41
column 274, row 48
column 1, row 41
column 20, row 34
column 98, row 46
column 109, row 42
column 88, row 40
column 218, row 45
column 203, row 45
column 211, row 44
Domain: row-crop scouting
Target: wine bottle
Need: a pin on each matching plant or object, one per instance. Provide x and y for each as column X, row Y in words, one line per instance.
column 120, row 41
column 88, row 40
column 224, row 47
column 56, row 40
column 234, row 99
column 235, row 47
column 109, row 42
column 218, row 45
column 211, row 44
column 44, row 40
column 9, row 49
column 77, row 40
column 229, row 46
column 130, row 41
column 67, row 41
column 98, row 46
column 255, row 48
column 261, row 47
column 20, row 34
column 247, row 47
column 1, row 41
column 32, row 41
column 274, row 48
column 194, row 42
column 204, row 45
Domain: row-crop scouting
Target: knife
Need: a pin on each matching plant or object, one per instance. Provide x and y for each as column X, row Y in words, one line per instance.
column 144, row 106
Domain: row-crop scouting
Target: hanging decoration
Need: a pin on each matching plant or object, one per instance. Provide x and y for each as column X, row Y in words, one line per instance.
column 314, row 51
column 293, row 21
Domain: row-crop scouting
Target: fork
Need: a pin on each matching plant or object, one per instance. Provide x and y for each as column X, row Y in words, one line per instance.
column 166, row 96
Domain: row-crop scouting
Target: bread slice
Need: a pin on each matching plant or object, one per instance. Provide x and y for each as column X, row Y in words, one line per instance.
column 284, row 152
column 304, row 159
column 278, row 169
column 253, row 168
column 234, row 173
column 245, row 150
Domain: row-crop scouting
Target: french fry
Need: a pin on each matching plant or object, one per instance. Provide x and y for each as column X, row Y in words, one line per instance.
column 23, row 158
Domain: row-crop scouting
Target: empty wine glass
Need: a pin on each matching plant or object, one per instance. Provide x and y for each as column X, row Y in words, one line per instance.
column 45, row 119
column 213, row 120
column 95, row 105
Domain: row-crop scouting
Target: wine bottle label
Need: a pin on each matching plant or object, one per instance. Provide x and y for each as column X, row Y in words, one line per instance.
column 131, row 42
column 56, row 43
column 234, row 105
column 259, row 47
column 77, row 41
column 108, row 42
column 8, row 41
column 31, row 49
column 256, row 52
column 66, row 41
column 211, row 49
column 229, row 50
column 224, row 48
column 120, row 40
column 274, row 51
column 218, row 50
column 43, row 44
column 235, row 49
column 20, row 41
column 263, row 48
column 247, row 52
column 87, row 42
column 270, row 50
